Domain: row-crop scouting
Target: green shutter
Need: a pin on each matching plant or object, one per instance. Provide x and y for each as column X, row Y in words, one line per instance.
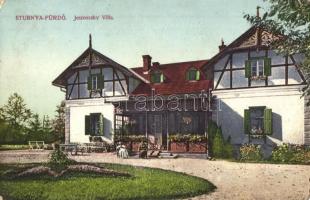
column 87, row 125
column 101, row 125
column 89, row 83
column 268, row 121
column 248, row 69
column 246, row 121
column 267, row 66
column 187, row 75
column 161, row 77
column 100, row 79
column 197, row 75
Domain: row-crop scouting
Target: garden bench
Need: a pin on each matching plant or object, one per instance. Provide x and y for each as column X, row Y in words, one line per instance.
column 96, row 147
column 36, row 145
column 72, row 148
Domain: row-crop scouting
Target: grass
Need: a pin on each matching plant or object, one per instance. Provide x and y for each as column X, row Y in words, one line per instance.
column 144, row 183
column 4, row 147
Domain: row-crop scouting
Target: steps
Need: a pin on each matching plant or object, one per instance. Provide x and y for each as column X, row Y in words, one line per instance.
column 167, row 155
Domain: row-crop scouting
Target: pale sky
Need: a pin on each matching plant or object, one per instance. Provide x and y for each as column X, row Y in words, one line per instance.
column 34, row 52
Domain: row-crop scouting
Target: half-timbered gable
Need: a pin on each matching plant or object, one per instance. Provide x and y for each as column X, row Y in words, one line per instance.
column 248, row 62
column 101, row 78
column 258, row 90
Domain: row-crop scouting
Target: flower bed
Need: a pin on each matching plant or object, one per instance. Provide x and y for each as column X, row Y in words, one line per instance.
column 178, row 147
column 132, row 142
column 200, row 147
column 188, row 143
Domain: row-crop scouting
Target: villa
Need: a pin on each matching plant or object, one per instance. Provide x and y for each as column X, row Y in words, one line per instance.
column 249, row 90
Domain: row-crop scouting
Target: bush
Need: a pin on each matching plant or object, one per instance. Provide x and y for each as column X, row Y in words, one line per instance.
column 250, row 152
column 289, row 153
column 228, row 150
column 59, row 160
column 220, row 147
column 218, row 144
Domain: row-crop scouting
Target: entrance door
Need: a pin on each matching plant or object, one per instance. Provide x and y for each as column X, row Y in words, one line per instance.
column 158, row 129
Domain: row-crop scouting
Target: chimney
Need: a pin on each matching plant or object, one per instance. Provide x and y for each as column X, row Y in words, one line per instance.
column 147, row 59
column 156, row 64
column 222, row 46
column 257, row 12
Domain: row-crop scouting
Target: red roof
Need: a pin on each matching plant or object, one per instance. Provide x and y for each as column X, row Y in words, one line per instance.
column 175, row 79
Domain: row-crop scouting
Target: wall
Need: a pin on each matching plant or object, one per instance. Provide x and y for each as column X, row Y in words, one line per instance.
column 286, row 105
column 235, row 64
column 80, row 108
column 113, row 80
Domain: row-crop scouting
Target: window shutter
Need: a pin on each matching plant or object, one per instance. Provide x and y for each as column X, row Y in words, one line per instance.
column 248, row 69
column 197, row 75
column 268, row 121
column 101, row 124
column 87, row 125
column 89, row 83
column 267, row 66
column 161, row 77
column 246, row 121
column 101, row 81
column 187, row 75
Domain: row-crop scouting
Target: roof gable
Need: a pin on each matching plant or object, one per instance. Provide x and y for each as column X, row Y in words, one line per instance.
column 254, row 37
column 83, row 61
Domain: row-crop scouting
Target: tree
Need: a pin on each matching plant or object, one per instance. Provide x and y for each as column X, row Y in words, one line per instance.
column 34, row 129
column 15, row 112
column 290, row 19
column 59, row 121
column 47, row 130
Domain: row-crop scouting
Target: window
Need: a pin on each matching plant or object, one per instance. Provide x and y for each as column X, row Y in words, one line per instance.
column 95, row 82
column 192, row 74
column 258, row 121
column 157, row 77
column 94, row 124
column 258, row 67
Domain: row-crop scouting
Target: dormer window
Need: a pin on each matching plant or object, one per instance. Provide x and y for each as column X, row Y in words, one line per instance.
column 193, row 74
column 157, row 77
column 95, row 82
column 258, row 67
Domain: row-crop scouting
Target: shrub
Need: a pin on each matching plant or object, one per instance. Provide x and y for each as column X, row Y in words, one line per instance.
column 289, row 153
column 218, row 144
column 220, row 147
column 212, row 128
column 228, row 150
column 250, row 152
column 59, row 161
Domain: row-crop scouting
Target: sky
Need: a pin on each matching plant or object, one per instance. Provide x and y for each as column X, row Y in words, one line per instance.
column 34, row 52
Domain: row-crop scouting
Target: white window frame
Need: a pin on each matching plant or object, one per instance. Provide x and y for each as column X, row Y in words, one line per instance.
column 257, row 67
column 94, row 82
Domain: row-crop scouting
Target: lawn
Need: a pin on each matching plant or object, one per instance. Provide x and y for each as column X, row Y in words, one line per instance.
column 144, row 183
